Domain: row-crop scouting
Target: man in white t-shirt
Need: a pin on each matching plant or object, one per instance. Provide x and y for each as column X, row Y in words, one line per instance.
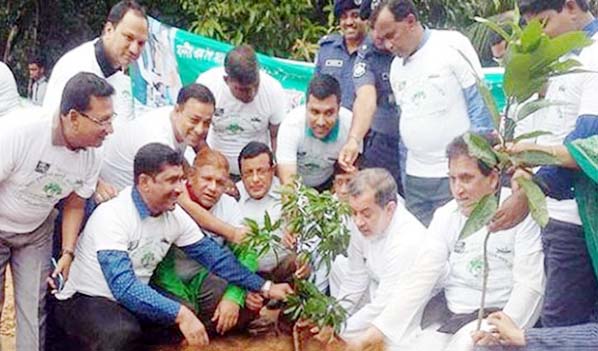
column 185, row 124
column 123, row 38
column 250, row 104
column 385, row 240
column 224, row 310
column 571, row 285
column 312, row 135
column 439, row 99
column 123, row 242
column 515, row 281
column 45, row 160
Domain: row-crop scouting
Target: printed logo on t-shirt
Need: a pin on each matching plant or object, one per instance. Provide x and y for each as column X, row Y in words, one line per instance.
column 52, row 190
column 459, row 247
column 46, row 187
column 476, row 267
column 42, row 167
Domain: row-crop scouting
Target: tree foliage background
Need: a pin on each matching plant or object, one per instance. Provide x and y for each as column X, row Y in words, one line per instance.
column 284, row 28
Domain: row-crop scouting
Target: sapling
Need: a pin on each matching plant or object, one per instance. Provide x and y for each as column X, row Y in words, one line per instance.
column 532, row 58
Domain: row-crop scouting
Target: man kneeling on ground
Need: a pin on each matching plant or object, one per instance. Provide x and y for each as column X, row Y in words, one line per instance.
column 221, row 307
column 385, row 241
column 515, row 258
column 107, row 303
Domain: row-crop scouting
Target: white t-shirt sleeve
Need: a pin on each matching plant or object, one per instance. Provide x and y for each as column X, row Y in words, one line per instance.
column 279, row 103
column 528, row 275
column 109, row 231
column 288, row 141
column 10, row 146
column 190, row 232
column 464, row 63
column 91, row 179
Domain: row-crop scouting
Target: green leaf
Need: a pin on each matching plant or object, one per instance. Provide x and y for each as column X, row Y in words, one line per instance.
column 531, row 107
column 267, row 221
column 535, row 200
column 494, row 26
column 480, row 148
column 480, row 216
column 533, row 158
column 531, row 35
column 531, row 135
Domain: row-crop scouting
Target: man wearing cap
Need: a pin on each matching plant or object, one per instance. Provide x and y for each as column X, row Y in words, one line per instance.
column 45, row 160
column 376, row 115
column 338, row 52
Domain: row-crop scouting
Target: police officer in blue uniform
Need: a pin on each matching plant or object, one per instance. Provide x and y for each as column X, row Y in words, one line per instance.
column 375, row 113
column 338, row 52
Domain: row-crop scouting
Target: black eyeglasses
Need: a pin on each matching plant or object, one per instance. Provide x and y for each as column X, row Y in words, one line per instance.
column 103, row 123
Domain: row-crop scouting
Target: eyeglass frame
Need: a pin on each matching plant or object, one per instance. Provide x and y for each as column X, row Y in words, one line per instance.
column 101, row 123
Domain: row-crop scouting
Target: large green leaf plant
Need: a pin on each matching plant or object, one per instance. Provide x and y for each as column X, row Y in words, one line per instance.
column 532, row 58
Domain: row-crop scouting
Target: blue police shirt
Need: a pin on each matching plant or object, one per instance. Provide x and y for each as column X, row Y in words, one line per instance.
column 372, row 67
column 333, row 58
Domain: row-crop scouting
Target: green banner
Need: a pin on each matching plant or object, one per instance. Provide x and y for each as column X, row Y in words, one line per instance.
column 174, row 57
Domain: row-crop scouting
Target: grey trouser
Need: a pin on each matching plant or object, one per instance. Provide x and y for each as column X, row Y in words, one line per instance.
column 424, row 195
column 29, row 257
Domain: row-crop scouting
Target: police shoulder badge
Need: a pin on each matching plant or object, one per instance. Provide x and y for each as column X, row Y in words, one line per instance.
column 359, row 70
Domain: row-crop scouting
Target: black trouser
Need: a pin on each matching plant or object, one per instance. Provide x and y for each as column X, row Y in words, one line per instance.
column 571, row 287
column 100, row 324
column 96, row 324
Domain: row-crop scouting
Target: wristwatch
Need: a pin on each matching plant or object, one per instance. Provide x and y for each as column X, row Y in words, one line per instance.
column 265, row 291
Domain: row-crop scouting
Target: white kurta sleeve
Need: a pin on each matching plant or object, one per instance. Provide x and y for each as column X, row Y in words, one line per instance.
column 528, row 276
column 355, row 284
column 411, row 296
column 399, row 256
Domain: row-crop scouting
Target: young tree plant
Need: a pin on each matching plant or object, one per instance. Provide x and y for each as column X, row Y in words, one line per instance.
column 318, row 221
column 532, row 59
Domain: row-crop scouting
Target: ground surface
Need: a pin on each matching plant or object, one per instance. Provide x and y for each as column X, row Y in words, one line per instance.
column 234, row 343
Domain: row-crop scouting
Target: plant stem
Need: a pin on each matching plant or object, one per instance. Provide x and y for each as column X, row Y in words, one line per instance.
column 484, row 283
column 486, row 270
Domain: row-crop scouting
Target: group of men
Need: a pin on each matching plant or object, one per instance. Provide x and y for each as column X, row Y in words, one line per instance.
column 145, row 214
